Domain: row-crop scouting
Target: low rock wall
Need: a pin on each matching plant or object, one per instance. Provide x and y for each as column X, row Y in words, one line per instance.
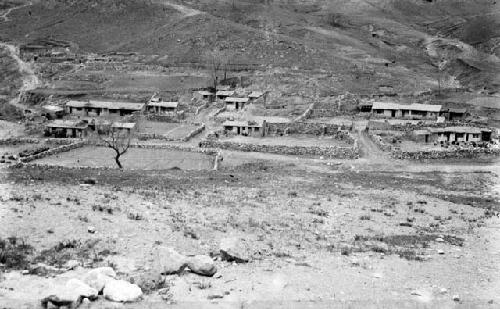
column 306, row 114
column 53, row 151
column 193, row 133
column 311, row 128
column 328, row 152
column 18, row 140
column 465, row 153
column 377, row 140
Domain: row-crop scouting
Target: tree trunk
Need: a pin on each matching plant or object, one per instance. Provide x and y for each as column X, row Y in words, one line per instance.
column 117, row 160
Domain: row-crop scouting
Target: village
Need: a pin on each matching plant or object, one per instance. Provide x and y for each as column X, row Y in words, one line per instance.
column 238, row 119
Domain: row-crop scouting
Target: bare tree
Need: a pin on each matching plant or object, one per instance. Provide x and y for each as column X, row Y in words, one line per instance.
column 115, row 138
column 218, row 62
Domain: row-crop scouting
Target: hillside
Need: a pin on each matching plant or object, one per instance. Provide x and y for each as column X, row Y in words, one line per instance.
column 363, row 44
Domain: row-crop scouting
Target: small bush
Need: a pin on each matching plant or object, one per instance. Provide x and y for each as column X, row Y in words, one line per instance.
column 14, row 253
column 365, row 217
column 346, row 250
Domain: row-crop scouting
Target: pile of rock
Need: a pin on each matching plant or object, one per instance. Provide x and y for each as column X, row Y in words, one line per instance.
column 99, row 281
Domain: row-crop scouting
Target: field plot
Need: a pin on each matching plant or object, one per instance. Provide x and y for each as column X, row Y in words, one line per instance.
column 171, row 130
column 150, row 82
column 135, row 158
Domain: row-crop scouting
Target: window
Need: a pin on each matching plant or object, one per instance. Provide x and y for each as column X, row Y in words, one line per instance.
column 475, row 135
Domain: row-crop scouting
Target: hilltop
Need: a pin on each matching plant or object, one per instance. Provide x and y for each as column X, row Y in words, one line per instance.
column 362, row 44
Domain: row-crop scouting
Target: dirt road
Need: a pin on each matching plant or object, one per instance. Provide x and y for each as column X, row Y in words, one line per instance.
column 30, row 80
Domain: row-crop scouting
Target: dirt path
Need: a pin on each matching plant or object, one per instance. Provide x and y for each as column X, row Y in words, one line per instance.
column 5, row 14
column 30, row 80
column 187, row 11
column 368, row 148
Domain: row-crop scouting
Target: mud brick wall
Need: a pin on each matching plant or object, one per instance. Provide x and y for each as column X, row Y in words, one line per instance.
column 465, row 153
column 328, row 152
column 311, row 128
column 53, row 151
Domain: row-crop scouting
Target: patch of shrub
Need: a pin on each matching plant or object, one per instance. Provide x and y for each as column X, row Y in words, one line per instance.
column 15, row 253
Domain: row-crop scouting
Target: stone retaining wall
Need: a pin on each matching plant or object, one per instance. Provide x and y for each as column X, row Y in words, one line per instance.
column 328, row 152
column 456, row 153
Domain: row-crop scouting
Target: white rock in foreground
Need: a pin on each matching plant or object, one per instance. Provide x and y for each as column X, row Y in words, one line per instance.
column 71, row 294
column 202, row 265
column 98, row 277
column 122, row 291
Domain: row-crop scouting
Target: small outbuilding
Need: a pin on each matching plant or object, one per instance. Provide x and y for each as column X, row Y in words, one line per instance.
column 453, row 114
column 408, row 111
column 245, row 128
column 162, row 107
column 453, row 135
column 254, row 95
column 206, row 95
column 223, row 94
column 66, row 129
column 123, row 126
column 235, row 103
column 52, row 111
column 103, row 108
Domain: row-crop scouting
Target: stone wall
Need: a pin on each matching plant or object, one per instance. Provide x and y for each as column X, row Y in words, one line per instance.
column 382, row 125
column 310, row 128
column 455, row 153
column 306, row 114
column 328, row 152
column 193, row 133
column 166, row 118
column 379, row 141
column 18, row 140
column 53, row 151
column 28, row 140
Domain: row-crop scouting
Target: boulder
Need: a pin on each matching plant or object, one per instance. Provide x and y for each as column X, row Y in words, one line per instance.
column 202, row 265
column 71, row 264
column 171, row 261
column 234, row 249
column 98, row 277
column 121, row 264
column 70, row 295
column 122, row 291
column 148, row 281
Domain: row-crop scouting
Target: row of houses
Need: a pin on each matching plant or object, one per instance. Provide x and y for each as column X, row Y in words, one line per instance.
column 412, row 111
column 453, row 135
column 80, row 128
column 232, row 102
column 93, row 108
